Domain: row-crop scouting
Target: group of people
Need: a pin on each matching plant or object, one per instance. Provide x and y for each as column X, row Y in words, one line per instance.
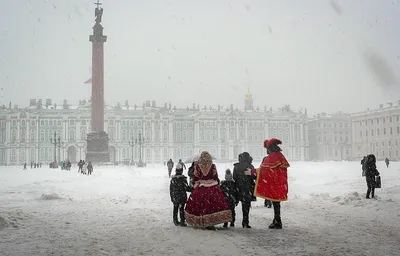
column 212, row 202
column 85, row 168
column 170, row 166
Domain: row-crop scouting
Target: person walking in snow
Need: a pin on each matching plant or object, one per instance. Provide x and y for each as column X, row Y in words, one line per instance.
column 170, row 165
column 387, row 162
column 182, row 163
column 177, row 190
column 90, row 168
column 228, row 186
column 272, row 181
column 24, row 166
column 80, row 165
column 370, row 174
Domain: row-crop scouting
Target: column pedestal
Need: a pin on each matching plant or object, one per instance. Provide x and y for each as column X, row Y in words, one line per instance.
column 97, row 148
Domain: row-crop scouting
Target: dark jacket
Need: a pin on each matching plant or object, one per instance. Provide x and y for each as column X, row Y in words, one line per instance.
column 370, row 170
column 231, row 192
column 170, row 164
column 178, row 188
column 191, row 171
column 245, row 183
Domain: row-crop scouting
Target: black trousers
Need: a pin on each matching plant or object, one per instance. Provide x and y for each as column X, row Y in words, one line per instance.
column 246, row 210
column 181, row 209
column 277, row 209
column 371, row 186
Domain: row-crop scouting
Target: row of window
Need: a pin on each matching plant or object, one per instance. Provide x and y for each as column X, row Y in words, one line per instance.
column 333, row 124
column 378, row 120
column 378, row 133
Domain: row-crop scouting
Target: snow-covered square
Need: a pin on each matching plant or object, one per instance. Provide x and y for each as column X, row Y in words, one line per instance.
column 127, row 211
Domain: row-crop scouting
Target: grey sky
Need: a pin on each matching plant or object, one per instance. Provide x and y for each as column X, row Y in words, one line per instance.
column 308, row 54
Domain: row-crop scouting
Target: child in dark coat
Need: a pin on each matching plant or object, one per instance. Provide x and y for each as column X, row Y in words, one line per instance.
column 228, row 186
column 177, row 189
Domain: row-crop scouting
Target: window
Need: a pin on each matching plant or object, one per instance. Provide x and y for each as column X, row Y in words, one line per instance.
column 22, row 135
column 165, row 136
column 13, row 155
column 148, row 154
column 83, row 133
column 71, row 122
column 32, row 155
column 111, row 134
column 165, row 153
column 22, row 156
column 124, row 154
column 41, row 135
column 71, row 135
column 124, row 135
column 32, row 135
column 13, row 135
column 42, row 154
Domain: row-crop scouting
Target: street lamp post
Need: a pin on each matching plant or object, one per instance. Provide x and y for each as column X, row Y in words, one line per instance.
column 132, row 145
column 140, row 141
column 54, row 142
column 59, row 148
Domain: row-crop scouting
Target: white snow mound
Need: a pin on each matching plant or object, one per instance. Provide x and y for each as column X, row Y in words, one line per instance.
column 352, row 198
column 52, row 196
column 3, row 223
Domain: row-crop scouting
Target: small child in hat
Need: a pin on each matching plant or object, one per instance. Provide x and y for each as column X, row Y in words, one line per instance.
column 177, row 189
column 229, row 187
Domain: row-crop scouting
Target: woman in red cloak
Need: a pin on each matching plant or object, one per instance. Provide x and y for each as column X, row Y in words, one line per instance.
column 272, row 182
column 207, row 206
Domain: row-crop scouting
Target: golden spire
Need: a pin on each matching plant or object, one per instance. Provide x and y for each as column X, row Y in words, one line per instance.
column 249, row 96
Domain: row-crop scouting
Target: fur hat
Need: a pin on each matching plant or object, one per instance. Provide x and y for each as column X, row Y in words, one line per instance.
column 205, row 158
column 228, row 175
column 268, row 143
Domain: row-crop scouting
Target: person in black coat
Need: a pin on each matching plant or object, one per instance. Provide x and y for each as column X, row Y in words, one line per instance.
column 170, row 166
column 370, row 173
column 228, row 186
column 245, row 185
column 177, row 190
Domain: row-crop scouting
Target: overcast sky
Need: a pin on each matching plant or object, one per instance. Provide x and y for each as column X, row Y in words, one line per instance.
column 311, row 54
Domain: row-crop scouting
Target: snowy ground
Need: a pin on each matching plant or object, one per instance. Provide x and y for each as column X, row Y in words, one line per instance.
column 123, row 211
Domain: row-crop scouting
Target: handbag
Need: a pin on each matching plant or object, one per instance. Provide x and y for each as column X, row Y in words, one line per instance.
column 378, row 183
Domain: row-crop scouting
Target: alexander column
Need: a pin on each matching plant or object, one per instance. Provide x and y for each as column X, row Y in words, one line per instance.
column 97, row 139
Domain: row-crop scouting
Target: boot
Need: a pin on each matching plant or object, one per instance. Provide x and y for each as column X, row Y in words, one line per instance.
column 232, row 225
column 183, row 223
column 225, row 224
column 276, row 223
column 245, row 225
column 211, row 228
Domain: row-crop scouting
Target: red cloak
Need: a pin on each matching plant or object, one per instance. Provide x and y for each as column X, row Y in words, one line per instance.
column 272, row 182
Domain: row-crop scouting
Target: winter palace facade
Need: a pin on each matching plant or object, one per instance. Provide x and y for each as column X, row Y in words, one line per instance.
column 27, row 134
